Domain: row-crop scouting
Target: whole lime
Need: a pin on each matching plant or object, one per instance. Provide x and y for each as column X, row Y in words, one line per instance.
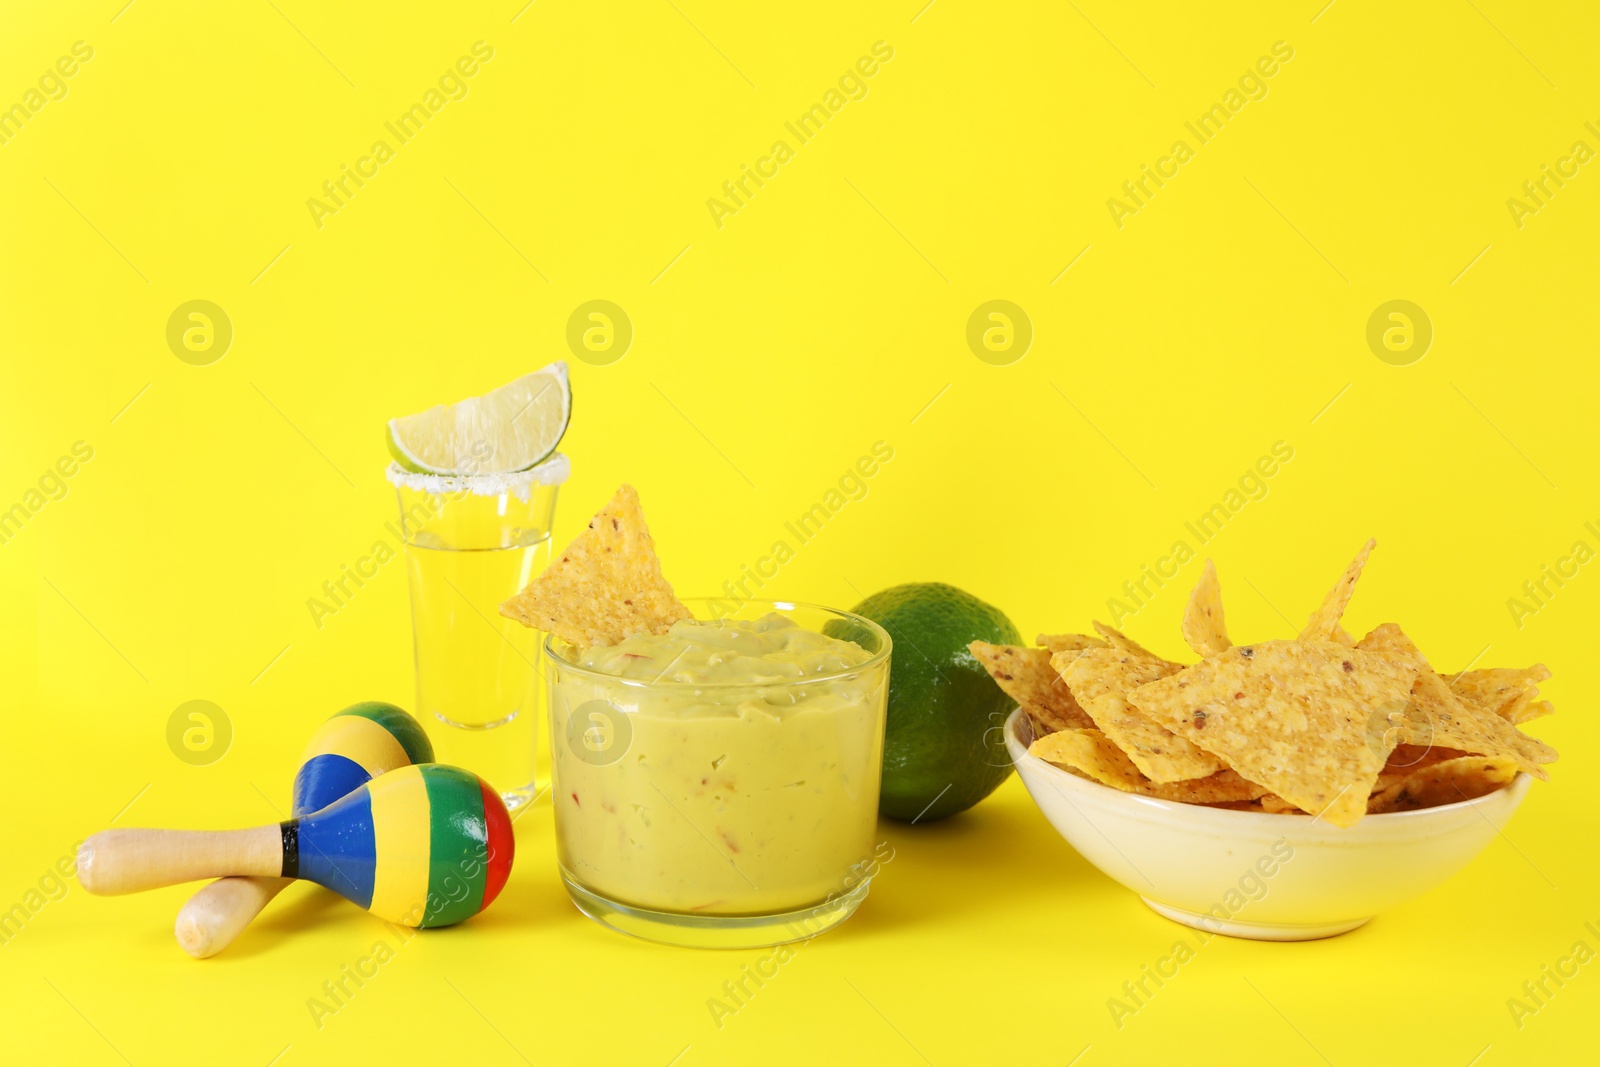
column 943, row 749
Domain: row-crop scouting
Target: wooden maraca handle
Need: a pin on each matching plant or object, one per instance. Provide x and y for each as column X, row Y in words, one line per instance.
column 113, row 862
column 210, row 920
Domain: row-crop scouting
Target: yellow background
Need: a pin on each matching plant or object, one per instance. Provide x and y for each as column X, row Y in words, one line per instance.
column 828, row 313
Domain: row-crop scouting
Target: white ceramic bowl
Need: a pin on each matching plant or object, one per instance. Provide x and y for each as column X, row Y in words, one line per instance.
column 1250, row 874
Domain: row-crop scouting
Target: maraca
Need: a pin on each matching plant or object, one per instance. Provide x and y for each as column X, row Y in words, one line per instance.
column 349, row 750
column 426, row 845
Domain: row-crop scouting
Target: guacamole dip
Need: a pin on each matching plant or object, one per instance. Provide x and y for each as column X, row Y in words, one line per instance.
column 732, row 768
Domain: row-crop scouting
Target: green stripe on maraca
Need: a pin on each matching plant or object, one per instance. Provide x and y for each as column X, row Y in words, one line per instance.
column 459, row 847
column 350, row 748
column 404, row 728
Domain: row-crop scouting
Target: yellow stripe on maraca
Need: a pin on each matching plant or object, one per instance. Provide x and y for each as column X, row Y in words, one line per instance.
column 360, row 740
column 400, row 883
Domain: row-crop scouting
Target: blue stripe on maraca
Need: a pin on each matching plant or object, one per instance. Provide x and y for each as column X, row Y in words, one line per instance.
column 324, row 779
column 338, row 848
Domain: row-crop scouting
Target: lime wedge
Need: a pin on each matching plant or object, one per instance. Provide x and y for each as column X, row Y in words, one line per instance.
column 511, row 429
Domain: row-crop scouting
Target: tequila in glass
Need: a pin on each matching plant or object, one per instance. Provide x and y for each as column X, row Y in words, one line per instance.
column 471, row 542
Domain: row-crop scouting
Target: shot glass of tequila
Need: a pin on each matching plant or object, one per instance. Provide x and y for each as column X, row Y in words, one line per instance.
column 472, row 541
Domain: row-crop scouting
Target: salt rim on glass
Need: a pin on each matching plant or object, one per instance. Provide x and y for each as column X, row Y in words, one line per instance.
column 553, row 471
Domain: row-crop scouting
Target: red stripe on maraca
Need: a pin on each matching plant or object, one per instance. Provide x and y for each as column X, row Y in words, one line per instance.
column 502, row 845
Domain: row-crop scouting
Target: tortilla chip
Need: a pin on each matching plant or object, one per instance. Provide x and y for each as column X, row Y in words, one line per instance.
column 1101, row 679
column 1090, row 754
column 1026, row 676
column 1538, row 709
column 605, row 586
column 1480, row 733
column 1414, row 757
column 1407, row 760
column 1435, row 716
column 1325, row 620
column 1305, row 719
column 1430, row 697
column 1068, row 642
column 1273, row 804
column 1203, row 626
column 1225, row 785
column 1119, row 640
column 1388, row 637
column 1446, row 782
column 1507, row 691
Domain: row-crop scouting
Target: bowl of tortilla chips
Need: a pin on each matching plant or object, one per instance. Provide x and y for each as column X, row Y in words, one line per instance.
column 1282, row 790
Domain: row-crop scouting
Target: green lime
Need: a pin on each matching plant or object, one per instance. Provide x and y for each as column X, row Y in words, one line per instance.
column 944, row 750
column 510, row 429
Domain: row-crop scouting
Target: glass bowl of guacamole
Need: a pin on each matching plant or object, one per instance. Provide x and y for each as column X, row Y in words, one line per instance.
column 716, row 785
